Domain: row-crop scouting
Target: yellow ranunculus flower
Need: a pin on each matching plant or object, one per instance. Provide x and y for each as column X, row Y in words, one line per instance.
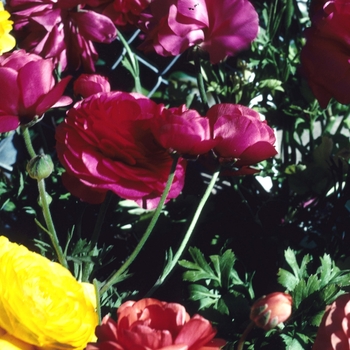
column 7, row 41
column 41, row 303
column 8, row 342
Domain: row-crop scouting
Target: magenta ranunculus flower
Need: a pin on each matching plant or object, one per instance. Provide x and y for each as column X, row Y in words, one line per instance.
column 89, row 84
column 183, row 131
column 62, row 30
column 106, row 144
column 121, row 12
column 221, row 27
column 244, row 139
column 28, row 89
column 325, row 58
column 153, row 324
column 334, row 330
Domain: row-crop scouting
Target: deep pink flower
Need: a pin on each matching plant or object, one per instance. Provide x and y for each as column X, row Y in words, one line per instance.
column 325, row 57
column 272, row 309
column 244, row 138
column 122, row 12
column 155, row 325
column 106, row 144
column 222, row 27
column 28, row 89
column 333, row 333
column 183, row 131
column 61, row 30
column 89, row 84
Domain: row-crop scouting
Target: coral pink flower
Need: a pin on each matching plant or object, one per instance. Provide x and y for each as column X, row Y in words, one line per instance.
column 61, row 30
column 89, row 84
column 153, row 324
column 327, row 45
column 333, row 333
column 183, row 131
column 272, row 309
column 106, row 144
column 243, row 138
column 222, row 27
column 28, row 89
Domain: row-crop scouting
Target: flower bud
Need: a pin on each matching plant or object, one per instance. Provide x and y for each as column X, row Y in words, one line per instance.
column 40, row 167
column 270, row 310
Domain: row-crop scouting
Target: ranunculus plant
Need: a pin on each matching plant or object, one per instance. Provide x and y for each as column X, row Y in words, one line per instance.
column 333, row 333
column 243, row 138
column 327, row 45
column 28, row 90
column 62, row 30
column 89, row 84
column 183, row 131
column 106, row 144
column 153, row 324
column 272, row 309
column 41, row 303
column 222, row 28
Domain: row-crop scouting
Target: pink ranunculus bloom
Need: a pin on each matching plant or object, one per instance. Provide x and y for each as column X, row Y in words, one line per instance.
column 153, row 324
column 244, row 139
column 62, row 30
column 183, row 131
column 333, row 333
column 327, row 45
column 272, row 309
column 122, row 12
column 106, row 144
column 89, row 84
column 222, row 27
column 28, row 89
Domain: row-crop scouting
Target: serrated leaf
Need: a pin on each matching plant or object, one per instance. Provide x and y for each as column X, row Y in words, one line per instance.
column 205, row 296
column 200, row 268
column 316, row 320
column 326, row 269
column 287, row 279
column 290, row 257
column 227, row 261
column 312, row 285
column 297, row 342
column 298, row 293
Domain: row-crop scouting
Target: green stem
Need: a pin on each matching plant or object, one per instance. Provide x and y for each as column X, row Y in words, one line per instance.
column 98, row 303
column 100, row 219
column 28, row 141
column 134, row 63
column 148, row 232
column 170, row 266
column 244, row 335
column 49, row 223
column 200, row 81
column 44, row 203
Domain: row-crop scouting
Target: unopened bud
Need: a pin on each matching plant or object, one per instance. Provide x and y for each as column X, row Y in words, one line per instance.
column 271, row 310
column 40, row 167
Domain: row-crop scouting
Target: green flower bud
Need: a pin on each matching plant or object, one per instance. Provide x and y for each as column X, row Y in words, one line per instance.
column 40, row 167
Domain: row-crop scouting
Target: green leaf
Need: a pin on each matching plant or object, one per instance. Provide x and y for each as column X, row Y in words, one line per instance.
column 205, row 296
column 287, row 279
column 200, row 269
